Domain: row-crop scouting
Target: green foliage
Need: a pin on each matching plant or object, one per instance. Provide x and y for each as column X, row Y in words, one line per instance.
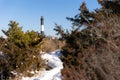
column 14, row 33
column 61, row 32
column 32, row 38
column 83, row 17
column 21, row 39
column 20, row 52
column 110, row 6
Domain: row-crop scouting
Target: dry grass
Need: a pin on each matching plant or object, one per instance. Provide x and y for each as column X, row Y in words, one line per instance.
column 50, row 45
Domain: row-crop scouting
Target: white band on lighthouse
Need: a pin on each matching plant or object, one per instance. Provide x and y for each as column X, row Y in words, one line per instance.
column 42, row 27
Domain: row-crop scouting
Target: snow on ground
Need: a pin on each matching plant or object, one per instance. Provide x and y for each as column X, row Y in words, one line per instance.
column 53, row 60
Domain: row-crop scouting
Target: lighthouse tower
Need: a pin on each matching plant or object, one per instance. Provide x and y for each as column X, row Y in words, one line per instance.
column 42, row 25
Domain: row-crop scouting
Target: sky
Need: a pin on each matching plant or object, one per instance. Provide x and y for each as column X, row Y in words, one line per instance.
column 28, row 12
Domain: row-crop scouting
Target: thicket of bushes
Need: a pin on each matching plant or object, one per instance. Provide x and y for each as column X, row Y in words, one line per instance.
column 19, row 52
column 93, row 53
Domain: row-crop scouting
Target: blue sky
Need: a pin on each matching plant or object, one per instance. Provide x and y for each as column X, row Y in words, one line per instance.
column 28, row 12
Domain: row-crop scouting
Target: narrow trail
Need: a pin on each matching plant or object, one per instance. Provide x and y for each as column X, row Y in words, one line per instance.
column 55, row 63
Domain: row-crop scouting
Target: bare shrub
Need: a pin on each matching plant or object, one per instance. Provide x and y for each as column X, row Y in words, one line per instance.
column 95, row 57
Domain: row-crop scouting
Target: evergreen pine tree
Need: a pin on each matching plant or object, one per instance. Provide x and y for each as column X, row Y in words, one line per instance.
column 20, row 52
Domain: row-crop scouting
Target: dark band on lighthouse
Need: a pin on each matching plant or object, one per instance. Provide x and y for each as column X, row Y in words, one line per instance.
column 42, row 20
column 42, row 25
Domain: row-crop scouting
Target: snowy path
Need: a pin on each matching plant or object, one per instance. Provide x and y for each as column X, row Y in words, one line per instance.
column 55, row 72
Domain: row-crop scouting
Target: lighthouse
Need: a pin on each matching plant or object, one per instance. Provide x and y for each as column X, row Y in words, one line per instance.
column 42, row 25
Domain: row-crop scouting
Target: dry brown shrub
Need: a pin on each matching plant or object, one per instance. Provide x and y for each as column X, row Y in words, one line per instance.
column 100, row 60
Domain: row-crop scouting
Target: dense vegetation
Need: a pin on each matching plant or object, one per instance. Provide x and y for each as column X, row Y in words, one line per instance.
column 89, row 54
column 19, row 52
column 93, row 53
